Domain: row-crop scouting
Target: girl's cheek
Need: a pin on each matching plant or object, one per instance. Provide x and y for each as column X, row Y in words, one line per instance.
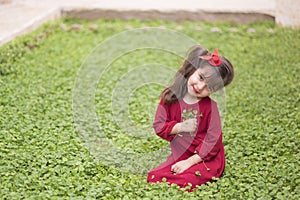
column 192, row 80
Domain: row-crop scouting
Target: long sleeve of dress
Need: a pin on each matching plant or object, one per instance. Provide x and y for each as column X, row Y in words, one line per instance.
column 213, row 138
column 162, row 123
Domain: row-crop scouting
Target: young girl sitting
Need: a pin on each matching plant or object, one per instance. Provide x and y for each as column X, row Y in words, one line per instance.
column 190, row 120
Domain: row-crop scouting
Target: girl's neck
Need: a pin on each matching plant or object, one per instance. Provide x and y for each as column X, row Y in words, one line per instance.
column 190, row 99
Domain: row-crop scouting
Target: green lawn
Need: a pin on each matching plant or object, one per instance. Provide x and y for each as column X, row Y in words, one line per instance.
column 44, row 155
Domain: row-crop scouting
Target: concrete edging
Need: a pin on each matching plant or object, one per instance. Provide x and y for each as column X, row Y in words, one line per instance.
column 32, row 25
column 176, row 15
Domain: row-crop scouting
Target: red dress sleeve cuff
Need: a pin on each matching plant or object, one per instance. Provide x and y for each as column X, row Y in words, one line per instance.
column 165, row 133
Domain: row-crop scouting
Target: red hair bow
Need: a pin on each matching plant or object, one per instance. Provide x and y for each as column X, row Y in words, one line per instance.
column 213, row 58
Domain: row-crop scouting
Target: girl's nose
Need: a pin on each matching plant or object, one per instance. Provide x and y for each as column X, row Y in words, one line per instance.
column 201, row 85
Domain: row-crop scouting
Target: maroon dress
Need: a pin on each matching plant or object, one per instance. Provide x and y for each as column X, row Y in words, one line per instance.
column 206, row 142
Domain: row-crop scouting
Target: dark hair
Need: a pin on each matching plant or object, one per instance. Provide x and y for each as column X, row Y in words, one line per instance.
column 218, row 78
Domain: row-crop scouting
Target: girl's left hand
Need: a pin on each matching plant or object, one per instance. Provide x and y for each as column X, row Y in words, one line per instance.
column 180, row 166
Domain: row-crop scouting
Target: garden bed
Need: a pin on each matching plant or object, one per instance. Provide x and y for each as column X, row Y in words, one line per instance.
column 44, row 156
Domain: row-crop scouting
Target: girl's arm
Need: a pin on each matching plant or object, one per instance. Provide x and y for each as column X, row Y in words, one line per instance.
column 163, row 124
column 167, row 128
column 213, row 139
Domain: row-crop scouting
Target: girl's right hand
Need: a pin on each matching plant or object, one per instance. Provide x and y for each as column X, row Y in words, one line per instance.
column 189, row 125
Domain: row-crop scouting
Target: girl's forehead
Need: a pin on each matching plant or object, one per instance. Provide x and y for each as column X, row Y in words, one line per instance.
column 205, row 71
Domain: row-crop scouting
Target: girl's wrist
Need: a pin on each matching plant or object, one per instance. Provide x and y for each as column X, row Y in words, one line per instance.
column 178, row 127
column 194, row 159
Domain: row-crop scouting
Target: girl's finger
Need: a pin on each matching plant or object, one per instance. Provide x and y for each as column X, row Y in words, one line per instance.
column 174, row 168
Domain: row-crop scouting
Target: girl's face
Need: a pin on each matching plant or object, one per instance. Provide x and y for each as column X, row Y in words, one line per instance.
column 197, row 86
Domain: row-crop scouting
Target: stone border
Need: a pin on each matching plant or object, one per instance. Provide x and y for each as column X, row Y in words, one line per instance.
column 178, row 16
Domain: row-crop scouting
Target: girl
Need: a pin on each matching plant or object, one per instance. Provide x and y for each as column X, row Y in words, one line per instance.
column 190, row 120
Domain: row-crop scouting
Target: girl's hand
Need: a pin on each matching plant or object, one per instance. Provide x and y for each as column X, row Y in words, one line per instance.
column 189, row 125
column 181, row 166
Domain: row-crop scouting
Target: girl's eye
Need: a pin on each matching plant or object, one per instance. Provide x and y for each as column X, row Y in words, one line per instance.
column 201, row 77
